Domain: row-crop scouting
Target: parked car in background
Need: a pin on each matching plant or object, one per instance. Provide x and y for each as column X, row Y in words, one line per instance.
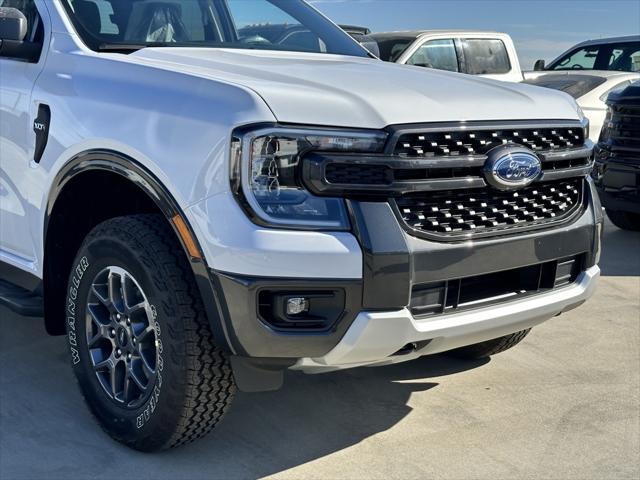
column 355, row 31
column 361, row 35
column 621, row 54
column 488, row 54
column 590, row 89
column 617, row 167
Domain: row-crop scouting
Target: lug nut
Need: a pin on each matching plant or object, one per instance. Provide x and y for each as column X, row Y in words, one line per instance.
column 128, row 321
column 118, row 316
column 118, row 352
column 112, row 332
column 128, row 357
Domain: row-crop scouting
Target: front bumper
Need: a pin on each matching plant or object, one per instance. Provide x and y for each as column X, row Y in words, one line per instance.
column 393, row 263
column 618, row 182
column 374, row 337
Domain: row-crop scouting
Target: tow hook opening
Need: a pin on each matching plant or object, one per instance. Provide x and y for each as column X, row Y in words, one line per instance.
column 410, row 348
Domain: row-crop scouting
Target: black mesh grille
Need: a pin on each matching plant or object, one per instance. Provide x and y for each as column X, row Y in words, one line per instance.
column 623, row 131
column 471, row 142
column 355, row 174
column 484, row 211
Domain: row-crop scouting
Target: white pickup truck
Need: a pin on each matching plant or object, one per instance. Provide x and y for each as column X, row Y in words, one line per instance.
column 487, row 54
column 201, row 194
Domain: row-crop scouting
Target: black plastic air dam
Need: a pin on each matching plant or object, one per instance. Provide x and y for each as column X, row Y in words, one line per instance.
column 256, row 338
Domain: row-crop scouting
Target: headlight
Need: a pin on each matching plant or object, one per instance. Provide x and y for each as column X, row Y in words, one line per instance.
column 265, row 174
column 584, row 120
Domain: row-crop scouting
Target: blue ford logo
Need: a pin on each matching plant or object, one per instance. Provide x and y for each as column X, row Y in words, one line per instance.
column 511, row 168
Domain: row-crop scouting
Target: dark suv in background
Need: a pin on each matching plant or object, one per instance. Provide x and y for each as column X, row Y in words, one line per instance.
column 617, row 168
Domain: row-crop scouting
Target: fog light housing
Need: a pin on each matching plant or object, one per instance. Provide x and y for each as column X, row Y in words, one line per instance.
column 308, row 310
column 297, row 306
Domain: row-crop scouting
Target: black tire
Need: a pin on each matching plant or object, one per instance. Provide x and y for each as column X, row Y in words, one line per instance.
column 625, row 220
column 188, row 381
column 490, row 347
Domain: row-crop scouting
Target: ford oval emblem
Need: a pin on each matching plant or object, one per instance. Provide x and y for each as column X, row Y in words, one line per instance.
column 511, row 168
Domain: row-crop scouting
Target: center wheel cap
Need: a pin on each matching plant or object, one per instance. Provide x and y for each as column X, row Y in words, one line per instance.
column 122, row 337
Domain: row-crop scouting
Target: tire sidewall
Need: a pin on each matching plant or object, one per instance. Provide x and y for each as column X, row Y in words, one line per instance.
column 155, row 420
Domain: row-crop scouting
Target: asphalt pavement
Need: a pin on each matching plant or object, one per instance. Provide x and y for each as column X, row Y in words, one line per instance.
column 565, row 404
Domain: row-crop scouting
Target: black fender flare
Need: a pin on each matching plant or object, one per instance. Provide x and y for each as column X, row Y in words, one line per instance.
column 135, row 172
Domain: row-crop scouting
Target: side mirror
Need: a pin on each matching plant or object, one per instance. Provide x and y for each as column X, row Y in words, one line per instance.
column 13, row 30
column 13, row 25
column 539, row 65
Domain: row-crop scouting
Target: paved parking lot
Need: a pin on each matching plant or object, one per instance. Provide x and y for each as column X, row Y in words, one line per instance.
column 565, row 404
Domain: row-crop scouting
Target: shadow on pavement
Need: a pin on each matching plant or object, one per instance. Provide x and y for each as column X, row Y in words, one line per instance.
column 620, row 252
column 47, row 432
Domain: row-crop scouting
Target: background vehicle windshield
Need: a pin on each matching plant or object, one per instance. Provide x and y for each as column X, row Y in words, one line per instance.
column 391, row 48
column 623, row 57
column 289, row 25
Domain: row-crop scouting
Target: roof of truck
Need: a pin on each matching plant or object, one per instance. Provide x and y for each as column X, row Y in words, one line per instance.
column 419, row 33
column 600, row 41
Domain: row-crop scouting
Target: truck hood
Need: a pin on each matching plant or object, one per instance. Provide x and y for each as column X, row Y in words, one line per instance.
column 333, row 90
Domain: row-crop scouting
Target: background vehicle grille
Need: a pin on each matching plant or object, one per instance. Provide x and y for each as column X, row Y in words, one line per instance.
column 473, row 142
column 461, row 212
column 622, row 133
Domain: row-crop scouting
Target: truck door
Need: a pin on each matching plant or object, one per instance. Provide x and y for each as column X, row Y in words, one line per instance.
column 18, row 197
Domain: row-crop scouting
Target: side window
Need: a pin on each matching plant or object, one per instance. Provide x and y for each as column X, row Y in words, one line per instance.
column 625, row 58
column 438, row 54
column 583, row 59
column 35, row 31
column 485, row 56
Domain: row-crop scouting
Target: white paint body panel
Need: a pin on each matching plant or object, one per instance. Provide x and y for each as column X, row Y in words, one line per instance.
column 173, row 111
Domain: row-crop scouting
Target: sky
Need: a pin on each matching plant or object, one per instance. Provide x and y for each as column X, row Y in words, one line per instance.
column 539, row 28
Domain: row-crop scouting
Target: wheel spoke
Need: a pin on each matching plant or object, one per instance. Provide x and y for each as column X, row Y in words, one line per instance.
column 137, row 381
column 101, row 329
column 105, row 365
column 126, row 391
column 136, row 308
column 142, row 336
column 115, row 290
column 101, row 292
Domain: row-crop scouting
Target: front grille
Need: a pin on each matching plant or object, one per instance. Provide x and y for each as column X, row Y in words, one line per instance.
column 472, row 292
column 355, row 174
column 484, row 211
column 472, row 142
column 622, row 133
column 434, row 177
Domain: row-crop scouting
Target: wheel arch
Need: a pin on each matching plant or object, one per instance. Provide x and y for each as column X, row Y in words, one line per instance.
column 150, row 196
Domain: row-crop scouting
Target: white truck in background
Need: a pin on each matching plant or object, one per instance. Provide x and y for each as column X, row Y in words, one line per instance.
column 487, row 54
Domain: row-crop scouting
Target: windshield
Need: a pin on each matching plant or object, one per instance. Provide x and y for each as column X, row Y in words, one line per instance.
column 622, row 57
column 289, row 25
column 391, row 48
